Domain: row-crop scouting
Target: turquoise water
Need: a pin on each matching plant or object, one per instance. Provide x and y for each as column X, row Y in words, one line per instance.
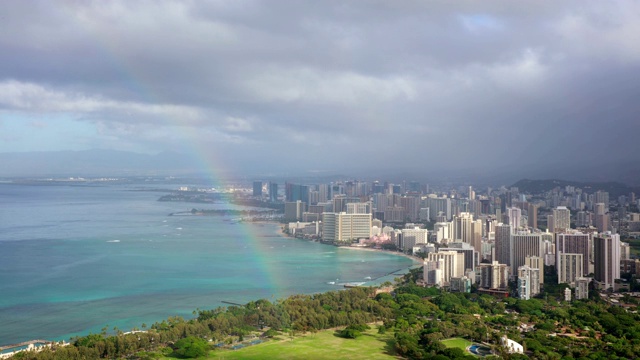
column 74, row 259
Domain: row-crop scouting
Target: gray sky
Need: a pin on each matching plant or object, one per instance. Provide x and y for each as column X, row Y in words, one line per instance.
column 325, row 85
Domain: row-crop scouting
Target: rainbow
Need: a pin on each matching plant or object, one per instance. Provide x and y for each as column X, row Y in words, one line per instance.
column 208, row 163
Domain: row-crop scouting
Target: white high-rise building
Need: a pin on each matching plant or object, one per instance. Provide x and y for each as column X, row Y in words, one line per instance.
column 569, row 268
column 466, row 230
column 423, row 214
column 453, row 264
column 433, row 272
column 437, row 205
column 412, row 237
column 515, row 216
column 359, row 208
column 345, row 228
column 476, row 235
column 528, row 282
column 625, row 251
column 536, row 262
column 462, row 227
column 471, row 256
column 561, row 218
column 443, row 232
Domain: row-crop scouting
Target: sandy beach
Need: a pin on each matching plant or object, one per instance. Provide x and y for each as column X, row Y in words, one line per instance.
column 279, row 230
column 415, row 259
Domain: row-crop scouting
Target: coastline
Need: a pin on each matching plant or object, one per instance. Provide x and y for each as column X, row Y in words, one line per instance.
column 281, row 227
column 178, row 222
column 416, row 260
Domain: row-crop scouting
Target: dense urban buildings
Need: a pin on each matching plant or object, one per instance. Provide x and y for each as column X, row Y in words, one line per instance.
column 467, row 236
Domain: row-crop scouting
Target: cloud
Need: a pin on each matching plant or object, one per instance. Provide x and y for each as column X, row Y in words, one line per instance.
column 234, row 124
column 373, row 83
column 30, row 97
column 322, row 87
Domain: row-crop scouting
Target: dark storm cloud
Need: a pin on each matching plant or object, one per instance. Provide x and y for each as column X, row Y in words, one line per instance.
column 379, row 83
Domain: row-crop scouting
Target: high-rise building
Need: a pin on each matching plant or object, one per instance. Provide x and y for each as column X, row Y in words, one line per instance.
column 536, row 262
column 514, row 214
column 532, row 216
column 551, row 227
column 460, row 284
column 462, row 227
column 359, row 208
column 257, row 188
column 295, row 192
column 470, row 254
column 625, row 251
column 602, row 222
column 443, row 232
column 523, row 245
column 561, row 218
column 606, row 251
column 528, row 282
column 601, row 217
column 423, row 214
column 602, row 197
column 582, row 288
column 432, row 272
column 584, row 219
column 314, row 197
column 412, row 237
column 476, row 235
column 324, row 192
column 394, row 214
column 273, row 192
column 503, row 244
column 453, row 264
column 343, row 228
column 494, row 275
column 293, row 210
column 569, row 268
column 340, row 202
column 411, row 205
column 574, row 243
column 437, row 205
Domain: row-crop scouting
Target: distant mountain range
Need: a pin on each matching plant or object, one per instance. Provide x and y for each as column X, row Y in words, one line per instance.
column 614, row 189
column 93, row 163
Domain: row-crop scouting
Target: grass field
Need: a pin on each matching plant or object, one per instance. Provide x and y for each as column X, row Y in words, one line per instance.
column 457, row 342
column 322, row 345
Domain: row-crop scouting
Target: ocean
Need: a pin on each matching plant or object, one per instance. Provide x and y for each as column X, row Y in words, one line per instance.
column 76, row 258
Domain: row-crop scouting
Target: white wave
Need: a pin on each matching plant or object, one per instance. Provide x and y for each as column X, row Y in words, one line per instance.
column 113, row 241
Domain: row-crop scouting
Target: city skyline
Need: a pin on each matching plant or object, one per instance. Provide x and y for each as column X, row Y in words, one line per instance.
column 307, row 87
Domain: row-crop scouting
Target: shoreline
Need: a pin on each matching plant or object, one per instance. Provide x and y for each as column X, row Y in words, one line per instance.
column 415, row 259
column 280, row 231
column 277, row 230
